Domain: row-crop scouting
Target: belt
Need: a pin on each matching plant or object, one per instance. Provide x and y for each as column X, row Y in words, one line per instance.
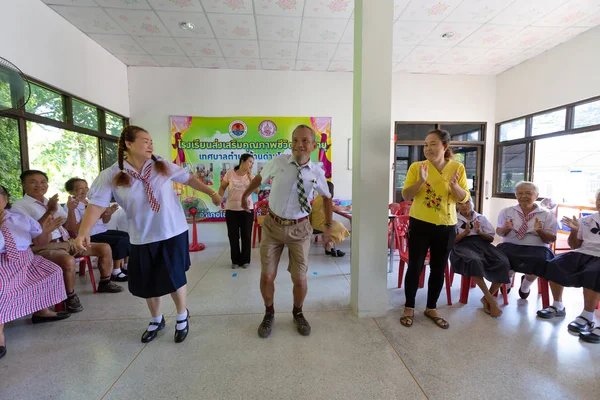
column 286, row 222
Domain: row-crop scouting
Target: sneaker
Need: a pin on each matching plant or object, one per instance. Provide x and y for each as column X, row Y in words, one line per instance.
column 107, row 286
column 302, row 324
column 120, row 277
column 73, row 304
column 551, row 312
column 266, row 326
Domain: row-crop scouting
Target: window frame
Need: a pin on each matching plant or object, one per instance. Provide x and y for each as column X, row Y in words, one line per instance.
column 529, row 141
column 24, row 116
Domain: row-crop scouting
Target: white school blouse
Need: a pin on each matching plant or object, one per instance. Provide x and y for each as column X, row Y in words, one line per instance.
column 144, row 225
column 29, row 206
column 283, row 199
column 22, row 228
column 98, row 228
column 589, row 232
column 486, row 226
column 531, row 237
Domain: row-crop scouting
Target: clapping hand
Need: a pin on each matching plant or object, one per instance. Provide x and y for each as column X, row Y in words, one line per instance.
column 467, row 228
column 477, row 226
column 508, row 224
column 51, row 224
column 53, row 203
column 538, row 225
column 423, row 172
column 572, row 223
column 72, row 203
column 111, row 210
column 454, row 179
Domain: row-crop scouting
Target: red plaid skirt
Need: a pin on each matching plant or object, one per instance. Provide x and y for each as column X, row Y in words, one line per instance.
column 28, row 284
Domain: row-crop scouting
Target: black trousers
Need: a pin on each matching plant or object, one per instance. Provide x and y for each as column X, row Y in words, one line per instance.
column 439, row 240
column 239, row 226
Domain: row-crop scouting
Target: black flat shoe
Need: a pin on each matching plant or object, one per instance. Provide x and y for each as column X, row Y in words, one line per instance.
column 58, row 317
column 2, row 351
column 577, row 327
column 332, row 253
column 590, row 337
column 522, row 294
column 149, row 336
column 180, row 335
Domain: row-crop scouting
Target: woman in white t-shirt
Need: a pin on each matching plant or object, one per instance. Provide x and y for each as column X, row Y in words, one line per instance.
column 239, row 221
column 578, row 268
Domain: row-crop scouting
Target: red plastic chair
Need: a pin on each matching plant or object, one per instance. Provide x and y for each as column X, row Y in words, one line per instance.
column 467, row 282
column 83, row 261
column 402, row 221
column 261, row 209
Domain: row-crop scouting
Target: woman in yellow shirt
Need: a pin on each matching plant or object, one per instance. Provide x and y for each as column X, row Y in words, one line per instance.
column 338, row 231
column 435, row 186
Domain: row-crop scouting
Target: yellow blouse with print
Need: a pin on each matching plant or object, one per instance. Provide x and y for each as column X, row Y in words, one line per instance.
column 435, row 203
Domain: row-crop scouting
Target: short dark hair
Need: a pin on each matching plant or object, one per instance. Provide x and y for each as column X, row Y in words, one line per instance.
column 30, row 172
column 4, row 191
column 444, row 137
column 70, row 184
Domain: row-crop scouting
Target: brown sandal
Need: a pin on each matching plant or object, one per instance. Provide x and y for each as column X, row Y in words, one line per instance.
column 407, row 320
column 439, row 321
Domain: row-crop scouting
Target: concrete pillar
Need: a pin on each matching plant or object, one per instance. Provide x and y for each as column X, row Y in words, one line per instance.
column 373, row 23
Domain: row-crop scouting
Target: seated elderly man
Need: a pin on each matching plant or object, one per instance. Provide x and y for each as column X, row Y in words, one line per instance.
column 61, row 249
column 527, row 232
column 578, row 268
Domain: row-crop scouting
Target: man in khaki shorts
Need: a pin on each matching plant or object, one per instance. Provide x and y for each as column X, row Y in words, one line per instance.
column 295, row 178
column 61, row 249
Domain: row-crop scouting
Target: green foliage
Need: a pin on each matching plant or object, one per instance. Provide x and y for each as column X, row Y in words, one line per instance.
column 85, row 115
column 62, row 155
column 46, row 103
column 10, row 156
column 114, row 124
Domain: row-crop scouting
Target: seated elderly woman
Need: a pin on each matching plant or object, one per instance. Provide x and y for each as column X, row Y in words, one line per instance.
column 578, row 268
column 117, row 240
column 474, row 255
column 29, row 283
column 527, row 231
column 338, row 231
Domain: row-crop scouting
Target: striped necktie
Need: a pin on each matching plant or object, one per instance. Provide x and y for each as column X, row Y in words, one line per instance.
column 524, row 223
column 304, row 205
column 145, row 178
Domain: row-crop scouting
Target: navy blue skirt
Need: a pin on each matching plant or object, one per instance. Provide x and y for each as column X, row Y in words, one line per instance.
column 575, row 269
column 474, row 256
column 117, row 240
column 527, row 259
column 158, row 268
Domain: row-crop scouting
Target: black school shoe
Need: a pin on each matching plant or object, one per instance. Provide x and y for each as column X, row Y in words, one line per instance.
column 59, row 316
column 149, row 336
column 180, row 335
column 2, row 351
column 590, row 337
column 523, row 295
column 577, row 327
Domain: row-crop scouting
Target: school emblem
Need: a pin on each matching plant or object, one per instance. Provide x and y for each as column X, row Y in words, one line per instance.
column 238, row 129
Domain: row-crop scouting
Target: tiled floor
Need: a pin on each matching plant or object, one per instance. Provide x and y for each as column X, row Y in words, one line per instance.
column 97, row 353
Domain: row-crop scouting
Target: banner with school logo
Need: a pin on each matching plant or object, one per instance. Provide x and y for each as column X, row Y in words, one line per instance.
column 208, row 147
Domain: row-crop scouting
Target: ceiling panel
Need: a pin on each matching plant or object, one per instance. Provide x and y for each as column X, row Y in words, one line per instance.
column 429, row 36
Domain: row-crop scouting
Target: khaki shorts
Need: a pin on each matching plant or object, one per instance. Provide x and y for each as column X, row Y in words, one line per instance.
column 53, row 250
column 296, row 237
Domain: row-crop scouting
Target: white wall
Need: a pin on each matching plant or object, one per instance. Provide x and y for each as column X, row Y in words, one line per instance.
column 156, row 93
column 47, row 47
column 562, row 75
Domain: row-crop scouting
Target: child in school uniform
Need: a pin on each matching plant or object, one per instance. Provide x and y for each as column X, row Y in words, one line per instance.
column 578, row 268
column 141, row 184
column 29, row 284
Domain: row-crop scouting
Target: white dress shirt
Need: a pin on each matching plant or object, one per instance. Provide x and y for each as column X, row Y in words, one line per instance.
column 29, row 206
column 145, row 225
column 283, row 199
column 486, row 226
column 98, row 228
column 531, row 237
column 22, row 227
column 589, row 232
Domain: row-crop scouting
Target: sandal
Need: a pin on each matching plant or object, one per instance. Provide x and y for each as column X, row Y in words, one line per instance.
column 407, row 320
column 439, row 321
